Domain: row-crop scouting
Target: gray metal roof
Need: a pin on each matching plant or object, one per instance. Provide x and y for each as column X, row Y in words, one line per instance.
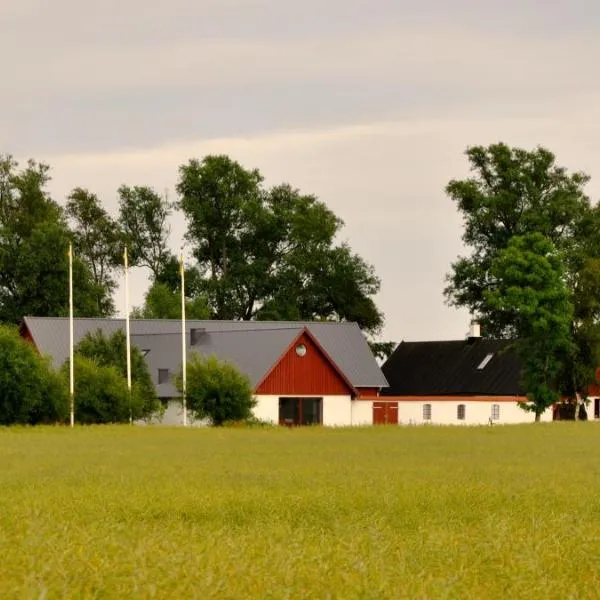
column 253, row 346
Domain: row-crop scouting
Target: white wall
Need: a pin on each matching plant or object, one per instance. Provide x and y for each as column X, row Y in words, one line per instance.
column 362, row 412
column 173, row 415
column 444, row 412
column 337, row 410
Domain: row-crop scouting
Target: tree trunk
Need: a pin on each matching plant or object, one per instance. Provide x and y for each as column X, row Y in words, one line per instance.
column 537, row 416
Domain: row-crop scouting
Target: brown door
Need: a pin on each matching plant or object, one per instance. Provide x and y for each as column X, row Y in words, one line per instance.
column 378, row 413
column 392, row 413
column 385, row 413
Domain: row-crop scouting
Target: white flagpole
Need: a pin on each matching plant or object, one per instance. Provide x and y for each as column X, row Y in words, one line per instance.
column 183, row 345
column 71, row 353
column 127, row 332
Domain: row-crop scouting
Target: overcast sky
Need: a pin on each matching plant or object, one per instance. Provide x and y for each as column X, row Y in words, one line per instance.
column 369, row 104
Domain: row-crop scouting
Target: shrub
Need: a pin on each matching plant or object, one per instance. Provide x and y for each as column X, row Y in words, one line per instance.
column 30, row 391
column 101, row 394
column 217, row 390
column 111, row 351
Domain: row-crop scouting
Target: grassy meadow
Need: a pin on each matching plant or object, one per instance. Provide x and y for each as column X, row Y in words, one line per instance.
column 374, row 513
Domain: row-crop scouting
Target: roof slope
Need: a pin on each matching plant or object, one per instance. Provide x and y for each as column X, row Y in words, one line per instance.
column 252, row 345
column 451, row 368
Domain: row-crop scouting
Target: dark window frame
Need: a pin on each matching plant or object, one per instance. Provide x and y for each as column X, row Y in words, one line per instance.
column 297, row 415
column 495, row 412
column 427, row 410
column 461, row 412
column 164, row 376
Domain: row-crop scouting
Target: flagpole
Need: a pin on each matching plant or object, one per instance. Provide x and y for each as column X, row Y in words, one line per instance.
column 71, row 352
column 183, row 345
column 127, row 333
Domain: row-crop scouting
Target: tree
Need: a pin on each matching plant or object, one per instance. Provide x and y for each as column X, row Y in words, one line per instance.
column 143, row 216
column 34, row 240
column 99, row 242
column 512, row 192
column 30, row 391
column 270, row 253
column 111, row 352
column 217, row 390
column 101, row 394
column 529, row 292
column 515, row 192
column 162, row 303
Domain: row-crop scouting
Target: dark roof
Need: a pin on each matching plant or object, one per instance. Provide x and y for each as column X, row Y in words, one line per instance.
column 451, row 368
column 253, row 346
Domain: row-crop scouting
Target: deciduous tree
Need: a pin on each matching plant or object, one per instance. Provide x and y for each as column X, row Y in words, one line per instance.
column 34, row 240
column 30, row 391
column 271, row 253
column 514, row 193
column 144, row 219
column 529, row 291
column 111, row 352
column 98, row 241
column 217, row 390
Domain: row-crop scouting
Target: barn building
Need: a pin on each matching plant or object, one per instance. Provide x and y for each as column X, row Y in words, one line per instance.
column 302, row 372
column 459, row 382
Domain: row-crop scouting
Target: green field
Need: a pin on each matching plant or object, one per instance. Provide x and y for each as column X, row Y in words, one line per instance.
column 119, row 512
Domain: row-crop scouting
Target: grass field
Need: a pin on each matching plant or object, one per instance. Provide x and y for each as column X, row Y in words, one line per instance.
column 119, row 512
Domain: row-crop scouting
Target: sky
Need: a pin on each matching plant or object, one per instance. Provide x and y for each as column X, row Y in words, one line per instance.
column 368, row 104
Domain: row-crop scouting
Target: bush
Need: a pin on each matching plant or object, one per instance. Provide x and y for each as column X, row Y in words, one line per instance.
column 111, row 352
column 217, row 390
column 101, row 394
column 30, row 391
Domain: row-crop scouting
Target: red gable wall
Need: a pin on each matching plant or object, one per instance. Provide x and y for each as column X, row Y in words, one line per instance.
column 311, row 374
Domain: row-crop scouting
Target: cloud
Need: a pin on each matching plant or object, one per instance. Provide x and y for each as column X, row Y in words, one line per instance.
column 393, row 53
column 385, row 179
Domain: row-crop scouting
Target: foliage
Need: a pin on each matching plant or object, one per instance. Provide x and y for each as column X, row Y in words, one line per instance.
column 511, row 193
column 101, row 393
column 530, row 293
column 34, row 240
column 111, row 352
column 30, row 391
column 164, row 303
column 136, row 508
column 143, row 216
column 382, row 350
column 270, row 253
column 217, row 390
column 98, row 241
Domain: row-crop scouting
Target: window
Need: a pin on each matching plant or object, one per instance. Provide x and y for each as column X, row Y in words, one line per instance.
column 163, row 375
column 301, row 350
column 426, row 412
column 484, row 362
column 495, row 412
column 460, row 412
column 300, row 411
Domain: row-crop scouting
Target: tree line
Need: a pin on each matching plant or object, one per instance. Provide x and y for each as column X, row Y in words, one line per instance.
column 257, row 252
column 533, row 272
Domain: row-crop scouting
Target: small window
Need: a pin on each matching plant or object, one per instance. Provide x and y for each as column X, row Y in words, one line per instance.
column 426, row 412
column 495, row 412
column 163, row 375
column 461, row 410
column 484, row 362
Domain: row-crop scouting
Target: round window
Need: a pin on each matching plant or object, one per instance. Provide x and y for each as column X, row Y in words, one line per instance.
column 301, row 350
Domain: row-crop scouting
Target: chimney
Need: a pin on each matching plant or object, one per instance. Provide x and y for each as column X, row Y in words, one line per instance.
column 195, row 335
column 474, row 330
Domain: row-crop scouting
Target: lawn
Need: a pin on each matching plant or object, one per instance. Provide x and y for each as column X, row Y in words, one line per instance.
column 414, row 512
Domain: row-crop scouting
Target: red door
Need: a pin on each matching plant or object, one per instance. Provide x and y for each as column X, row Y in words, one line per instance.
column 385, row 413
